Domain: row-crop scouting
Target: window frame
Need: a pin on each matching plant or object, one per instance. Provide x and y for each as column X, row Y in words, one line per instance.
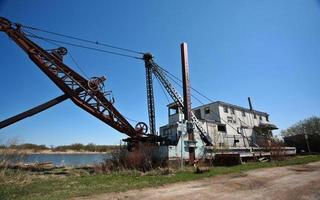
column 207, row 110
column 243, row 113
column 225, row 109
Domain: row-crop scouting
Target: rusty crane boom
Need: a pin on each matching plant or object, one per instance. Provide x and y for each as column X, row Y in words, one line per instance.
column 87, row 94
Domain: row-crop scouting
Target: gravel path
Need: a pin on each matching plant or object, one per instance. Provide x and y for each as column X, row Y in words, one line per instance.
column 300, row 182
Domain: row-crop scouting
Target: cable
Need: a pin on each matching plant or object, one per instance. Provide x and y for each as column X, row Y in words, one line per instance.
column 175, row 77
column 161, row 86
column 84, row 47
column 34, row 35
column 78, row 66
column 81, row 39
column 227, row 123
column 190, row 94
column 210, row 102
column 110, row 52
column 201, row 95
column 58, row 45
column 131, row 119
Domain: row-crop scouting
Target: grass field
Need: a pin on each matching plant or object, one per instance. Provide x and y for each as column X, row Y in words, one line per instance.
column 64, row 187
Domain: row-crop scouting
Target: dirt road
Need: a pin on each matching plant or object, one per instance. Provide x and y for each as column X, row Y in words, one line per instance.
column 300, row 182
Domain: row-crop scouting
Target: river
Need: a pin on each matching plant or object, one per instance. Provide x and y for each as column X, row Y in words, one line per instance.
column 61, row 159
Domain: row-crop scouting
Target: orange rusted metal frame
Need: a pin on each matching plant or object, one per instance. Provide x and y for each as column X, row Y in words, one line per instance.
column 70, row 82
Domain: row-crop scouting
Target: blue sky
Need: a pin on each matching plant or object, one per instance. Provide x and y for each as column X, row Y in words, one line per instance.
column 268, row 50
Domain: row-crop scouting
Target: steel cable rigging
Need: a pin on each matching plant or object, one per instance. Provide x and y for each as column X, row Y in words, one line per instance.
column 83, row 46
column 58, row 43
column 80, row 39
column 169, row 75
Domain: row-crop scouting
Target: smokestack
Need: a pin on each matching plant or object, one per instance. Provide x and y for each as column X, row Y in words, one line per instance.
column 250, row 105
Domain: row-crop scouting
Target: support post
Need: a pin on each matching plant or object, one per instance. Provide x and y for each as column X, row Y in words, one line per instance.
column 306, row 138
column 187, row 100
column 181, row 138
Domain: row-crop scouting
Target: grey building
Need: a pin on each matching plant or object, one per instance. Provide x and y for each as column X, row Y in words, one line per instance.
column 229, row 126
column 239, row 126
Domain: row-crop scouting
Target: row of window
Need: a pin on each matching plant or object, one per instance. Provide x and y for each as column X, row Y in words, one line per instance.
column 232, row 111
column 243, row 113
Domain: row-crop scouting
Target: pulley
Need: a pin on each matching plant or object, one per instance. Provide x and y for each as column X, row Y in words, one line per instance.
column 141, row 127
column 96, row 84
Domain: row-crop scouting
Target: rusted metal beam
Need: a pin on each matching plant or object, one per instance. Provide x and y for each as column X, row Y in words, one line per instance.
column 89, row 99
column 185, row 81
column 33, row 111
column 187, row 101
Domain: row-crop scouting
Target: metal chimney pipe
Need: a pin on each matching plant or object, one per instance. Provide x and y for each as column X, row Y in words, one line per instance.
column 250, row 105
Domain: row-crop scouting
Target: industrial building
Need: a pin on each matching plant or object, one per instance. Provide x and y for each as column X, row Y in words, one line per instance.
column 240, row 126
column 190, row 134
column 231, row 127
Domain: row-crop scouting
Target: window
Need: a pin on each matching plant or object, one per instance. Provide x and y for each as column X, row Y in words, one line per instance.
column 243, row 114
column 232, row 110
column 260, row 117
column 173, row 111
column 225, row 109
column 197, row 113
column 206, row 110
column 167, row 132
column 230, row 119
column 267, row 118
column 222, row 128
column 255, row 116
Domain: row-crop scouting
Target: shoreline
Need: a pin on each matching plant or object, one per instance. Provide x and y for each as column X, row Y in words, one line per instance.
column 28, row 152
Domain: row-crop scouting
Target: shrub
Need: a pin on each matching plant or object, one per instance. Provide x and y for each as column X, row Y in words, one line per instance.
column 143, row 158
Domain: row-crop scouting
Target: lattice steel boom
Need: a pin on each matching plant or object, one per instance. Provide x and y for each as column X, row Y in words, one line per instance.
column 84, row 93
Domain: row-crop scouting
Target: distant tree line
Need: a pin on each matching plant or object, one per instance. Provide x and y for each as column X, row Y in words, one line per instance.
column 89, row 147
column 310, row 126
column 75, row 147
column 25, row 146
column 303, row 133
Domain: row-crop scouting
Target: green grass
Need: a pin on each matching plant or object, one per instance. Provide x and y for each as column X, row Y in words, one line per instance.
column 66, row 187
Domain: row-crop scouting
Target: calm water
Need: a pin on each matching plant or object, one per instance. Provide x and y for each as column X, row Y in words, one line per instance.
column 64, row 159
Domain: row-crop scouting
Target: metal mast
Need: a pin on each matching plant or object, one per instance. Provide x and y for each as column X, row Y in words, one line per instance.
column 161, row 76
column 150, row 95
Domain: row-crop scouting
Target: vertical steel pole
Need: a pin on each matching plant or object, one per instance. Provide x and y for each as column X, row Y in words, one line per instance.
column 187, row 100
column 186, row 81
column 181, row 138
